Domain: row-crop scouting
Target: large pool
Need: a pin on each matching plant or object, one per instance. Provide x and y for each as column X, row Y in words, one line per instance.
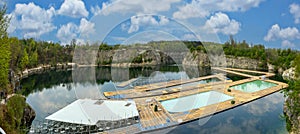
column 253, row 86
column 190, row 102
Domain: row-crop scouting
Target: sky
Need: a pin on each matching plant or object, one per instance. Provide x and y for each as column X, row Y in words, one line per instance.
column 274, row 23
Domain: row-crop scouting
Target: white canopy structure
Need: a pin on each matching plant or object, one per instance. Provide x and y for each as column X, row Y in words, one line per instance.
column 89, row 112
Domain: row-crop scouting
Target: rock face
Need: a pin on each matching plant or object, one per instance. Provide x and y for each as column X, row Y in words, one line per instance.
column 242, row 62
column 138, row 57
column 271, row 67
column 28, row 116
column 292, row 116
column 202, row 59
column 289, row 74
column 145, row 56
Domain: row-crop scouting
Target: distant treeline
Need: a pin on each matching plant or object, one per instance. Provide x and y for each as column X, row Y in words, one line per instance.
column 29, row 53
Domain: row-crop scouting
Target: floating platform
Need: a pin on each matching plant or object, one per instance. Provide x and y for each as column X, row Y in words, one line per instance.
column 151, row 120
column 167, row 104
column 126, row 83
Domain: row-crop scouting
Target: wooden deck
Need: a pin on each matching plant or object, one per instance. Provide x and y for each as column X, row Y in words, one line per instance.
column 151, row 120
column 126, row 83
column 153, row 89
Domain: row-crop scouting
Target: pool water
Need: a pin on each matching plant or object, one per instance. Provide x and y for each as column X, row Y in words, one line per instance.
column 253, row 86
column 190, row 102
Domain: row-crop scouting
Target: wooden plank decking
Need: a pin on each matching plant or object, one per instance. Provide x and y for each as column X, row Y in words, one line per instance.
column 151, row 118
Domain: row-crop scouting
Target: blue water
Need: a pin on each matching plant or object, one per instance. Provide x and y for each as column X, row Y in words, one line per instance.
column 187, row 103
column 253, row 86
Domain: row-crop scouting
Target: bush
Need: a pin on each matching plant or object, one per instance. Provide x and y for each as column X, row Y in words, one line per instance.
column 233, row 102
column 228, row 90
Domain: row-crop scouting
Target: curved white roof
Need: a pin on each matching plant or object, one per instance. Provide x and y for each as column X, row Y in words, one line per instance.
column 89, row 112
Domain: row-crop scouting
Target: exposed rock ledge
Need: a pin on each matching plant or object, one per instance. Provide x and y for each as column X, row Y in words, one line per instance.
column 292, row 115
column 292, row 118
column 289, row 74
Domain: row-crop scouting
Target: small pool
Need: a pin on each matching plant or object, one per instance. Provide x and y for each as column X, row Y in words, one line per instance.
column 253, row 86
column 190, row 102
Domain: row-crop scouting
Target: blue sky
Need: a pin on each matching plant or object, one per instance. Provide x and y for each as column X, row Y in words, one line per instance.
column 274, row 23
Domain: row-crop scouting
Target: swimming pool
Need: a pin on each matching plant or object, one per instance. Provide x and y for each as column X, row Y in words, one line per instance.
column 190, row 102
column 253, row 86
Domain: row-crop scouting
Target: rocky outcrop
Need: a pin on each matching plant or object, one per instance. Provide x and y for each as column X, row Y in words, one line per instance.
column 289, row 74
column 28, row 116
column 243, row 62
column 43, row 68
column 271, row 68
column 202, row 59
column 292, row 116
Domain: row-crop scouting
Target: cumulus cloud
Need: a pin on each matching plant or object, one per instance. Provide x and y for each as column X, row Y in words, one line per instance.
column 202, row 8
column 134, row 6
column 137, row 21
column 295, row 11
column 191, row 10
column 192, row 37
column 95, row 10
column 287, row 43
column 86, row 27
column 73, row 8
column 276, row 32
column 67, row 32
column 221, row 23
column 32, row 20
column 71, row 31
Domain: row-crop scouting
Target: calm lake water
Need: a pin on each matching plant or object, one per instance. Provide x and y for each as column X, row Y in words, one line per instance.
column 48, row 92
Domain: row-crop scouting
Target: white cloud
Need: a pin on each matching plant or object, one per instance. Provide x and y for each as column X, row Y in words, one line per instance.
column 2, row 2
column 191, row 10
column 71, row 31
column 134, row 6
column 295, row 11
column 86, row 27
column 289, row 33
column 287, row 43
column 202, row 8
column 73, row 8
column 163, row 20
column 67, row 32
column 137, row 21
column 95, row 10
column 32, row 20
column 192, row 37
column 221, row 23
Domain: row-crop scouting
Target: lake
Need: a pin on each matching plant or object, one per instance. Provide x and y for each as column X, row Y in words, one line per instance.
column 48, row 92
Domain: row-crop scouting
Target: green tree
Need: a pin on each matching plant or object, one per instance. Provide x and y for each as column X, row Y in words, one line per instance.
column 4, row 22
column 24, row 60
column 15, row 110
column 4, row 62
column 33, row 59
column 4, row 49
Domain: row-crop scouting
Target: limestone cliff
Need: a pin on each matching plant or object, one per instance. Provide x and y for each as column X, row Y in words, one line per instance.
column 202, row 59
column 291, row 105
